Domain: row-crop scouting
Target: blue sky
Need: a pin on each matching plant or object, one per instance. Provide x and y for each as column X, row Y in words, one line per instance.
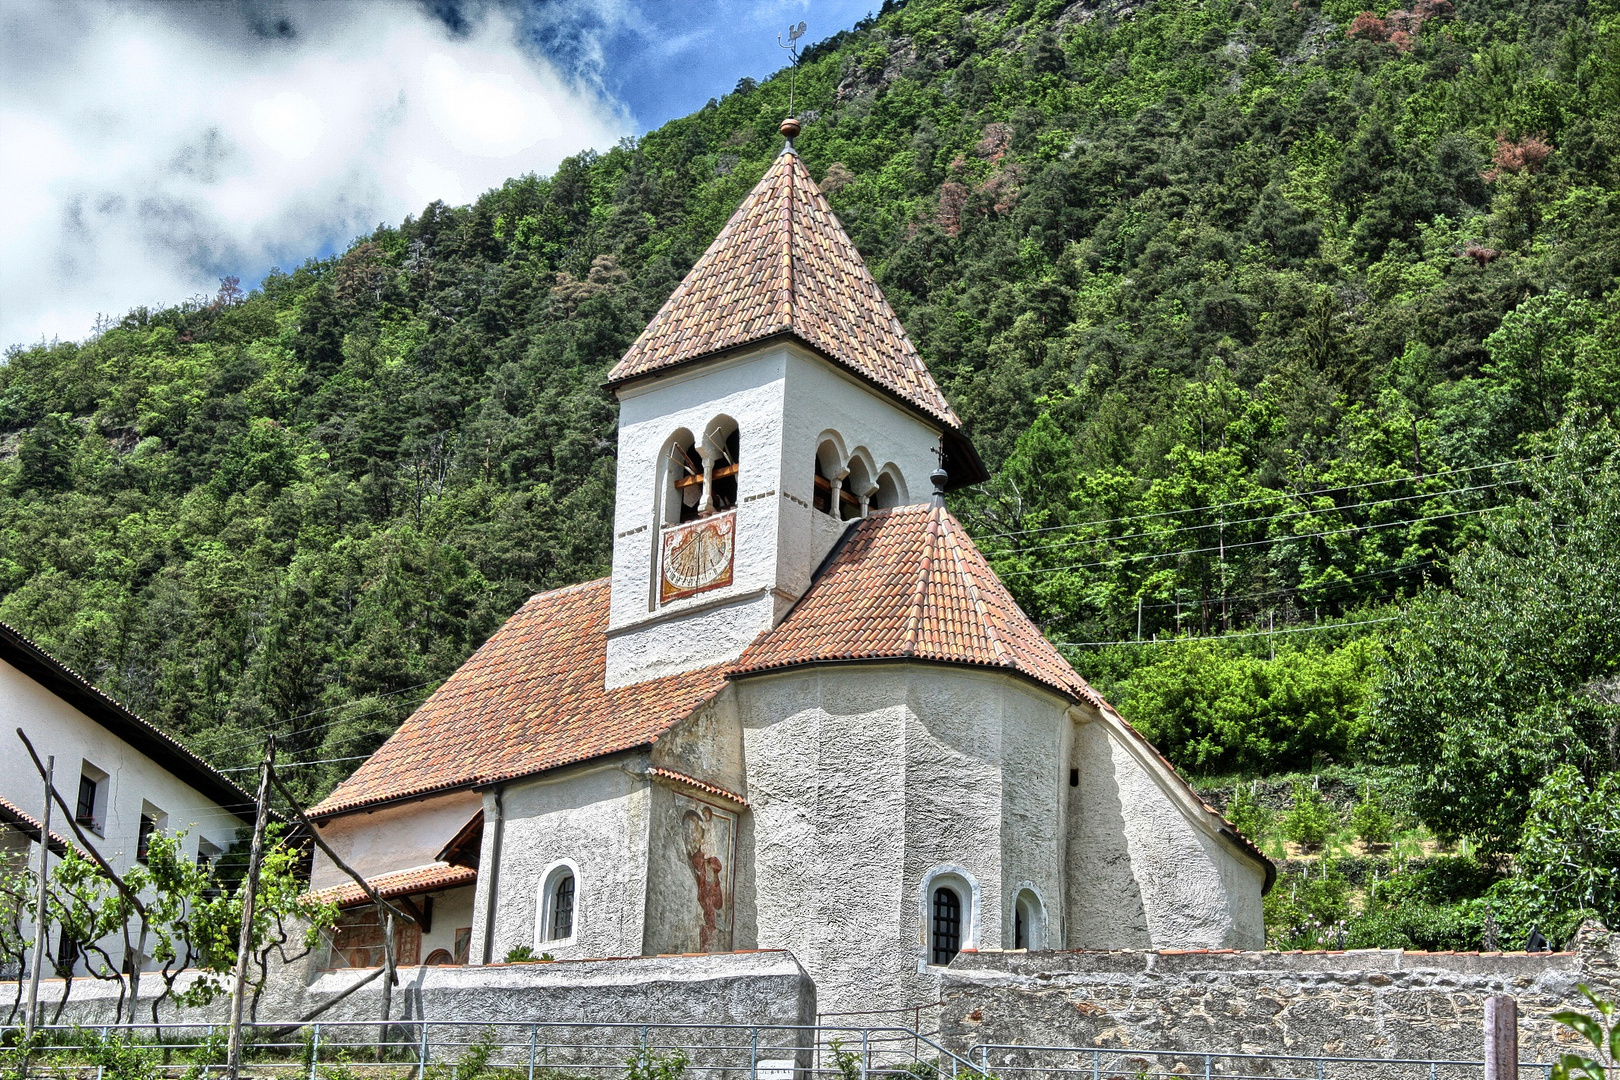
column 151, row 148
column 663, row 58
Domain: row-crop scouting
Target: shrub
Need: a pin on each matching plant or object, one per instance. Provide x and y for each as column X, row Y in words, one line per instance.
column 1310, row 820
column 645, row 1064
column 1372, row 822
column 520, row 955
column 1252, row 819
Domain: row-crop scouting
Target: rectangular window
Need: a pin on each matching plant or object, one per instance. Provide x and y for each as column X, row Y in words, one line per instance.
column 86, row 813
column 90, row 809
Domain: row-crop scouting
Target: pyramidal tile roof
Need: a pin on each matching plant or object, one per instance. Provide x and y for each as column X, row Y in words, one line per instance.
column 909, row 583
column 532, row 698
column 784, row 265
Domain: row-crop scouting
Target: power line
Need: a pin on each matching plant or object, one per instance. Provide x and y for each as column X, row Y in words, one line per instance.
column 1229, row 637
column 1262, row 498
column 1392, row 571
column 1057, row 545
column 258, row 739
column 1247, row 543
column 291, row 761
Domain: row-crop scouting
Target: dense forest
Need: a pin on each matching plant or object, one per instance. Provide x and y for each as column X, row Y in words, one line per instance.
column 1290, row 332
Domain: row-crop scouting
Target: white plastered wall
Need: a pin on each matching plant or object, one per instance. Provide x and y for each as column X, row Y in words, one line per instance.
column 1148, row 869
column 783, row 398
column 594, row 816
column 132, row 779
column 392, row 838
column 865, row 779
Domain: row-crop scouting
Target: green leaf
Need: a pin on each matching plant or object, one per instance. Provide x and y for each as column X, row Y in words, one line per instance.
column 1569, row 1063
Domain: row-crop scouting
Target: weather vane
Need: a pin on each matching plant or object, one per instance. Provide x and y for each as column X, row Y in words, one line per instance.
column 794, row 33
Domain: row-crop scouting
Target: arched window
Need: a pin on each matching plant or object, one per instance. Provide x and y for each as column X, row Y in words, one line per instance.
column 723, row 446
column 1029, row 921
column 949, row 906
column 945, row 933
column 858, row 487
column 558, row 914
column 683, row 479
column 891, row 489
column 830, row 472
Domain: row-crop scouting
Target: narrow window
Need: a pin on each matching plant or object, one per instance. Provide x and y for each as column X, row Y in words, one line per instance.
column 562, row 907
column 143, row 841
column 947, row 938
column 90, row 809
column 723, row 485
column 687, row 470
column 1020, row 931
column 1074, row 777
column 86, row 813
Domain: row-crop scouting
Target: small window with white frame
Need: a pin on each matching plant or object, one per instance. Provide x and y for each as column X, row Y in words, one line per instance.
column 1029, row 921
column 558, row 914
column 950, row 912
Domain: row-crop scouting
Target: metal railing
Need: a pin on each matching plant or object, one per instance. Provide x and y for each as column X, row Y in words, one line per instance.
column 539, row 1050
column 560, row 1050
column 1017, row 1062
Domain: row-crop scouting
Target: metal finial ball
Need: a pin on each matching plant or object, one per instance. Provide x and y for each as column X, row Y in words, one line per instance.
column 939, row 477
column 790, row 128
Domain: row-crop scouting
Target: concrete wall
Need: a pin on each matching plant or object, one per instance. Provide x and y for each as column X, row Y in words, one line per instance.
column 1372, row 1003
column 1147, row 871
column 784, row 399
column 595, row 817
column 392, row 838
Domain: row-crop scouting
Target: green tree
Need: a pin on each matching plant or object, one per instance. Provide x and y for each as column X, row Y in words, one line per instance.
column 1491, row 688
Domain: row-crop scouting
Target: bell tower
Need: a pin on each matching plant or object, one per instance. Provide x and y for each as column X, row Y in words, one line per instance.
column 773, row 399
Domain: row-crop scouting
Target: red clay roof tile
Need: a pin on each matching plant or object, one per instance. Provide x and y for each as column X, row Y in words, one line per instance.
column 784, row 265
column 909, row 583
column 532, row 698
column 418, row 879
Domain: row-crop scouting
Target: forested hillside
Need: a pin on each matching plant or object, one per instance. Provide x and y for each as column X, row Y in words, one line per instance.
column 1262, row 314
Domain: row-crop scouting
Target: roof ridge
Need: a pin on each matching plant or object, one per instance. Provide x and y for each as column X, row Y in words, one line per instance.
column 919, row 593
column 974, row 592
column 787, row 241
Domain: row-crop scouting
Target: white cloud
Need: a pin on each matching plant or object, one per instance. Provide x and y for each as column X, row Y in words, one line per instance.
column 144, row 155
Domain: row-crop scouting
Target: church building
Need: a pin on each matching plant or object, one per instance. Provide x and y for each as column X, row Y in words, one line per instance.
column 801, row 712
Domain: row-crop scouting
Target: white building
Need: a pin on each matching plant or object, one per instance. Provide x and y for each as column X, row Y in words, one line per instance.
column 123, row 777
column 802, row 712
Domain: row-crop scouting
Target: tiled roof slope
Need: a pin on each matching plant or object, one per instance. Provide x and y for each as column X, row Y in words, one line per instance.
column 418, row 879
column 909, row 583
column 532, row 698
column 783, row 264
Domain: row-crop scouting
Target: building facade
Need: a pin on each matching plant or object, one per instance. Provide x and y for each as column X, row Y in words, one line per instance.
column 801, row 712
column 123, row 778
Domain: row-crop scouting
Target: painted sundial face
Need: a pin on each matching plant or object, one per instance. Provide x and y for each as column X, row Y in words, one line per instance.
column 697, row 556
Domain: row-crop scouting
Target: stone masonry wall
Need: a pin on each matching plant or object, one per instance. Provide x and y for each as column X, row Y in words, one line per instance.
column 766, row 987
column 1363, row 1003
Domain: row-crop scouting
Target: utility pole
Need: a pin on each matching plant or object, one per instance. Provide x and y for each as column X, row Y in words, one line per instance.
column 39, row 898
column 1138, row 618
column 244, row 940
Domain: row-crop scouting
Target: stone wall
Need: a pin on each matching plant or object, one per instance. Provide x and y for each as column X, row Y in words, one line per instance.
column 722, row 988
column 1363, row 1003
